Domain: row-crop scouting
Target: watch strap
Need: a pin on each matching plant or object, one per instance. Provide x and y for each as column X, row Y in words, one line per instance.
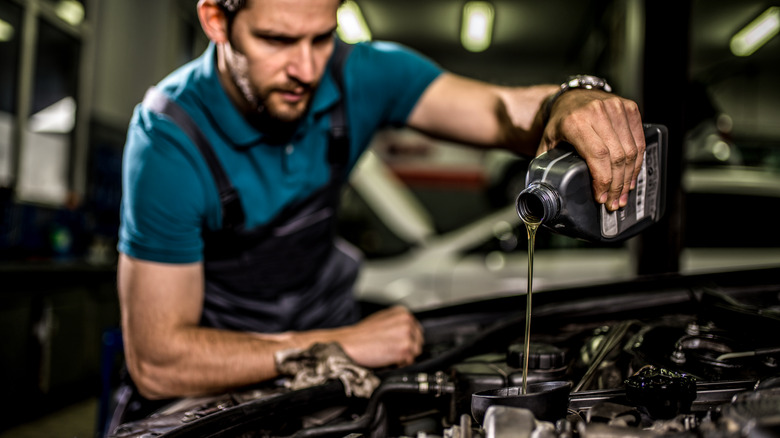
column 587, row 82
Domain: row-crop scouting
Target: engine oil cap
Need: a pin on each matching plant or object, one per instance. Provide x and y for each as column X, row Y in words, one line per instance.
column 541, row 357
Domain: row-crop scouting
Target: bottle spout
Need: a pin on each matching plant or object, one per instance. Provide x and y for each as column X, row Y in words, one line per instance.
column 538, row 203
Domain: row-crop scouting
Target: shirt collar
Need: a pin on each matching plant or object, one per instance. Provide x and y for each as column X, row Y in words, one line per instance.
column 228, row 119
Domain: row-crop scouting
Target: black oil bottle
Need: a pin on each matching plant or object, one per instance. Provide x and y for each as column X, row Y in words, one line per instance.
column 558, row 194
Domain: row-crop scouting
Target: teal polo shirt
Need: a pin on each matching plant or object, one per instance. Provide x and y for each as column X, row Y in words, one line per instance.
column 169, row 195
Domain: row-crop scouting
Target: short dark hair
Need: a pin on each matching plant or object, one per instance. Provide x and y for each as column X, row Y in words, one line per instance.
column 231, row 6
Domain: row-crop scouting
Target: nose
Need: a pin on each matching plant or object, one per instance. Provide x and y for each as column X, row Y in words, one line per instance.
column 301, row 65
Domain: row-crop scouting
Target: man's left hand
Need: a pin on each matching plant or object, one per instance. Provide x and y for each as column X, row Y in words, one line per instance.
column 607, row 132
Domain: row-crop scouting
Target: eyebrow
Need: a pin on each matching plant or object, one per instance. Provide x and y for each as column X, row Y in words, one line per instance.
column 265, row 33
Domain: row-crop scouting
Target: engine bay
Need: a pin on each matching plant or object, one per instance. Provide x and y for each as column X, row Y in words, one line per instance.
column 673, row 356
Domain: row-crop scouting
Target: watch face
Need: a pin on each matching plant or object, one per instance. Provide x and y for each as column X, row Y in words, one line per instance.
column 580, row 81
column 589, row 82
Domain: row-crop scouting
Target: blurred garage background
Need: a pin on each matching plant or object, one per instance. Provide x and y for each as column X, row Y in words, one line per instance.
column 71, row 72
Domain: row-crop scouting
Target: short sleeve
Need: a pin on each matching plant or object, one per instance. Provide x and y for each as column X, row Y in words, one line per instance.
column 163, row 201
column 388, row 80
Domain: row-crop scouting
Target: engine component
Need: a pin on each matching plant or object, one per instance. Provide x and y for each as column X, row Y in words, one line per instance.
column 661, row 393
column 547, row 401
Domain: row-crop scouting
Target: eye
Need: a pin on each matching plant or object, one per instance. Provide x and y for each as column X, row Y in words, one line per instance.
column 279, row 40
column 324, row 38
column 272, row 38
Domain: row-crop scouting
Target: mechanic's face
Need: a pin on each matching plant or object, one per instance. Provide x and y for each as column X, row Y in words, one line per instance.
column 278, row 51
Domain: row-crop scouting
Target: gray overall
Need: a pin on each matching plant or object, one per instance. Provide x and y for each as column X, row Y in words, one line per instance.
column 289, row 274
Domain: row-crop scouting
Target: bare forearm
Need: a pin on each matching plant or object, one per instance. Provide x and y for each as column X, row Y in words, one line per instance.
column 520, row 111
column 199, row 360
column 170, row 355
column 481, row 114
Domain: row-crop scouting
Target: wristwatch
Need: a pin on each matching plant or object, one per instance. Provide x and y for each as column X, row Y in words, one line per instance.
column 587, row 82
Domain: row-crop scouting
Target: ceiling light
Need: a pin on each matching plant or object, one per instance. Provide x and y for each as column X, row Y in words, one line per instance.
column 352, row 26
column 58, row 118
column 6, row 31
column 757, row 33
column 477, row 28
column 71, row 11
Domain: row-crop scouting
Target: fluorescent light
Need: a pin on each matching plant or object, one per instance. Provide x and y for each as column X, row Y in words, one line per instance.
column 71, row 11
column 757, row 33
column 6, row 31
column 57, row 118
column 352, row 26
column 477, row 28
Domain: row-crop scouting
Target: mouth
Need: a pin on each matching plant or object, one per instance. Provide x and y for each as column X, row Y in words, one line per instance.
column 293, row 96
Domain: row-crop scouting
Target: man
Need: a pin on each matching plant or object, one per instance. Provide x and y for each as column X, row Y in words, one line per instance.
column 207, row 299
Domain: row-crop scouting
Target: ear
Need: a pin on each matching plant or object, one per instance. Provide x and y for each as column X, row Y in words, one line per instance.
column 213, row 21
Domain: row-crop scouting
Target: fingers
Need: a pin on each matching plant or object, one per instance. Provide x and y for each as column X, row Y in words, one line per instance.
column 411, row 339
column 418, row 340
column 607, row 132
column 638, row 133
column 408, row 351
column 623, row 152
column 389, row 337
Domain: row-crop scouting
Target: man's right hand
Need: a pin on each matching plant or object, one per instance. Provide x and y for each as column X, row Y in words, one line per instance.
column 170, row 355
column 389, row 337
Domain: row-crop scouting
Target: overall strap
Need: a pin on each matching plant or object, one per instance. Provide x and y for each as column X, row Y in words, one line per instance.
column 338, row 146
column 232, row 212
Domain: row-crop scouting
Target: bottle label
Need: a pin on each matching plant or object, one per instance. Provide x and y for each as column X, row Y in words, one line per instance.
column 651, row 171
column 641, row 181
column 609, row 222
column 641, row 200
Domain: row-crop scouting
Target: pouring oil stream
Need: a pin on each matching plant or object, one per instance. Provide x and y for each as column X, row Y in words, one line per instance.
column 531, row 227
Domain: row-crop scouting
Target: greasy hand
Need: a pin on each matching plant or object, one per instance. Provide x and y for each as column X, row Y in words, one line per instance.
column 388, row 337
column 607, row 132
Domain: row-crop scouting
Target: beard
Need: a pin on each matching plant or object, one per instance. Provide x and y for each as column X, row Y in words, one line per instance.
column 266, row 108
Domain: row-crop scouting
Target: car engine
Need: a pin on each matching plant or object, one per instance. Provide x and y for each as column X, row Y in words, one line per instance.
column 672, row 356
